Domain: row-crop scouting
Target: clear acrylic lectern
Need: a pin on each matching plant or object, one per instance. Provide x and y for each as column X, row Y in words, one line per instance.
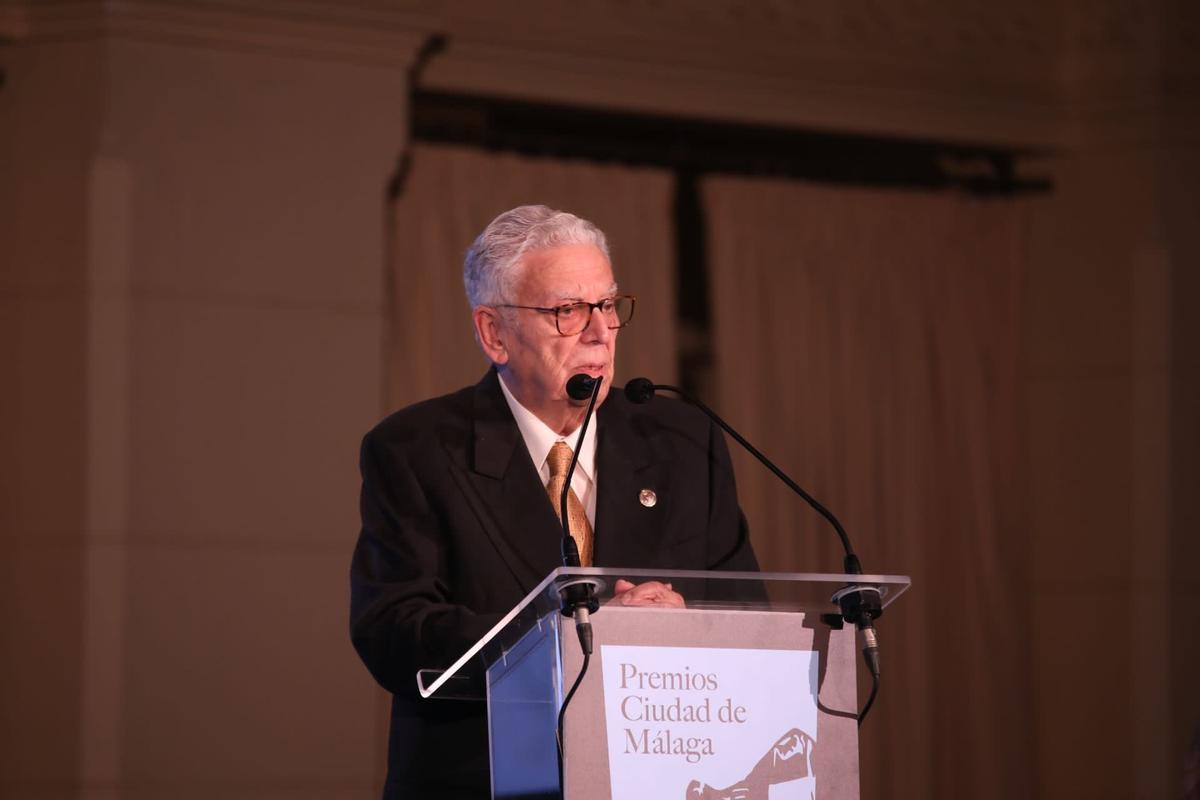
column 748, row 692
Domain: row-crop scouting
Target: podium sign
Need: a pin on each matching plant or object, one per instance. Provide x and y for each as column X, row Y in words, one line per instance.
column 747, row 694
column 683, row 720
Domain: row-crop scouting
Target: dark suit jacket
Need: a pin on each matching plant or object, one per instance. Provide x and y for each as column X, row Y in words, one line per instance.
column 457, row 528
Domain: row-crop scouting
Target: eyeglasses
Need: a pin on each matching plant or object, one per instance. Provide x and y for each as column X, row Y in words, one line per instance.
column 572, row 318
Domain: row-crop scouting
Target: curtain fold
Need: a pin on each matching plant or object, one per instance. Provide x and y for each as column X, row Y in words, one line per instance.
column 453, row 192
column 869, row 340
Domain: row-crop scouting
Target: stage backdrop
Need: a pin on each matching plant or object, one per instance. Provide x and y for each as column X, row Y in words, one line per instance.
column 868, row 340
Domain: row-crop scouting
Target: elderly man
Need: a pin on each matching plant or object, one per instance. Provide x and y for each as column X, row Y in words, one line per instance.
column 457, row 524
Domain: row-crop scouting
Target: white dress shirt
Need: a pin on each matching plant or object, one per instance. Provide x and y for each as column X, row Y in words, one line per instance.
column 539, row 438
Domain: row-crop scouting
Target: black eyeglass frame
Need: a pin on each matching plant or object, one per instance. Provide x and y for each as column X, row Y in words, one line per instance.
column 579, row 304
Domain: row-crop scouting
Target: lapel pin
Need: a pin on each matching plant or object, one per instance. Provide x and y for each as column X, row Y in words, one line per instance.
column 648, row 498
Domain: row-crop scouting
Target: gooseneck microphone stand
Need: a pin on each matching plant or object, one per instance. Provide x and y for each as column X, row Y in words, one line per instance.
column 860, row 605
column 578, row 596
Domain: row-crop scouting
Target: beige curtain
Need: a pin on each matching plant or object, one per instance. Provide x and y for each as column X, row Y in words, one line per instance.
column 450, row 196
column 869, row 341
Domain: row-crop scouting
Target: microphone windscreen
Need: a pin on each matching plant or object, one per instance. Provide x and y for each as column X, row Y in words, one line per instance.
column 579, row 387
column 639, row 390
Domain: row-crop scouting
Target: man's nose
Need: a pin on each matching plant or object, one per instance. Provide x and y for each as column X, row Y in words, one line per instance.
column 597, row 329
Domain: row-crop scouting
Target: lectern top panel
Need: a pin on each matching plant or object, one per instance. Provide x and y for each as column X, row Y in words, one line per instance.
column 784, row 592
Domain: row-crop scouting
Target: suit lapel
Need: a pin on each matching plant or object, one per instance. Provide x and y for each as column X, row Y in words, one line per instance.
column 628, row 532
column 515, row 512
column 520, row 521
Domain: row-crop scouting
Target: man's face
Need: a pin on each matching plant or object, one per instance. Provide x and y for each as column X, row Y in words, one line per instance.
column 537, row 360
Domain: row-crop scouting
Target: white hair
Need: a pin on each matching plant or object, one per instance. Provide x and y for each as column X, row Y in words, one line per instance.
column 490, row 266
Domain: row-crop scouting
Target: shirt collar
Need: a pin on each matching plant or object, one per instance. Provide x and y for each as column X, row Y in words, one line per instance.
column 539, row 437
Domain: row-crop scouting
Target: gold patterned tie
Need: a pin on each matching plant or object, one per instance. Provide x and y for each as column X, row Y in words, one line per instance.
column 559, row 459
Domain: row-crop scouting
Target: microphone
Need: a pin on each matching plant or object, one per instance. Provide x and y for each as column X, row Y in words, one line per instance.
column 860, row 605
column 579, row 599
column 581, row 387
column 579, row 596
column 639, row 390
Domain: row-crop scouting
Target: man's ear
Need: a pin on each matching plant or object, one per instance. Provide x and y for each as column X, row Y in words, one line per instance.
column 489, row 331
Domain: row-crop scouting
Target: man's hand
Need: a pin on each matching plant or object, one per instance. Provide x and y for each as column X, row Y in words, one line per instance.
column 650, row 593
